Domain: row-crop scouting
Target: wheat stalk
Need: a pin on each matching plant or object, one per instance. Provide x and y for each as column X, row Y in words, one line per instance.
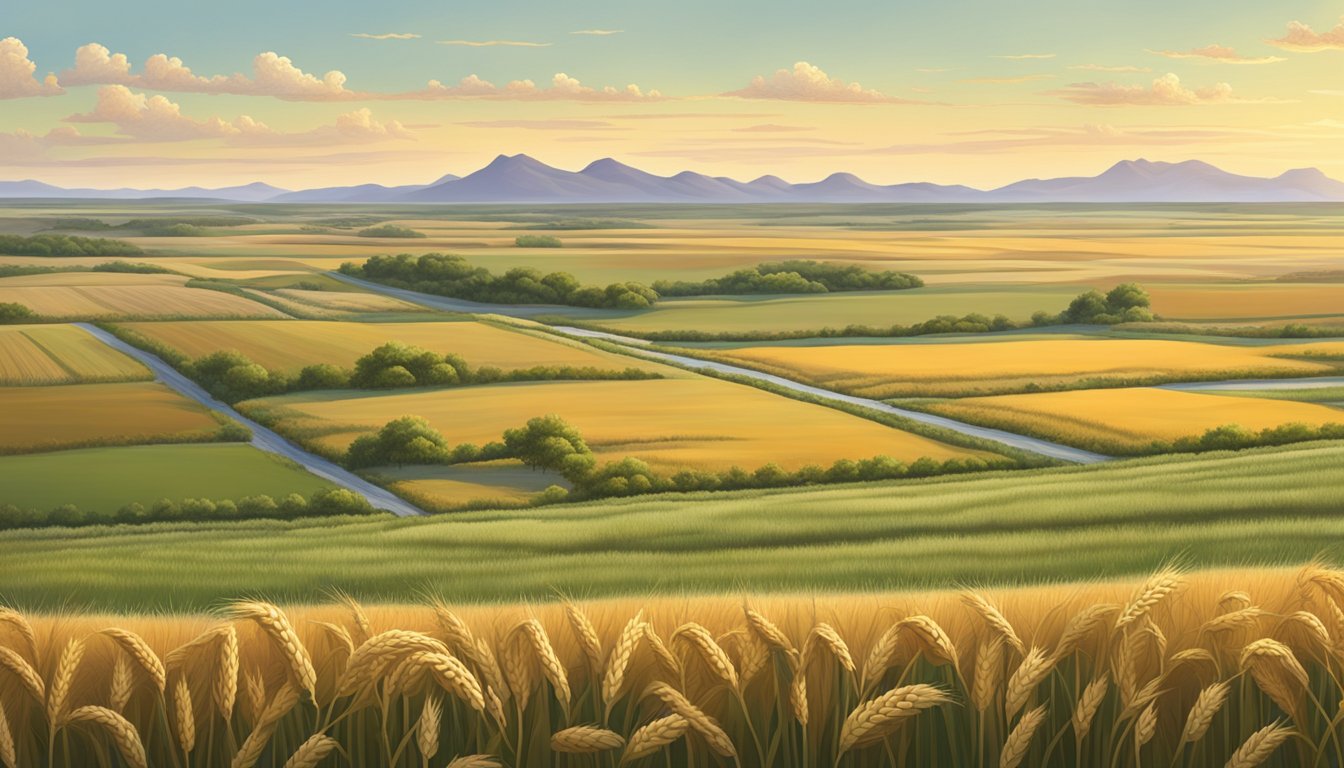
column 379, row 652
column 666, row 659
column 475, row 761
column 1029, row 674
column 1277, row 672
column 1158, row 587
column 988, row 673
column 1086, row 712
column 1017, row 744
column 654, row 736
column 585, row 740
column 1205, row 708
column 1259, row 746
column 701, row 723
column 586, row 634
column 427, row 727
column 9, row 754
column 933, row 642
column 994, row 618
column 20, row 624
column 877, row 718
column 186, row 716
column 1146, row 726
column 17, row 666
column 277, row 627
column 280, row 705
column 613, row 679
column 767, row 631
column 1081, row 625
column 311, row 752
column 713, row 655
column 123, row 734
column 140, row 652
column 58, row 693
column 551, row 666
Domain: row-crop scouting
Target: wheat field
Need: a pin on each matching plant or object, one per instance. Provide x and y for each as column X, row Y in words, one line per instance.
column 118, row 300
column 60, row 354
column 1239, row 668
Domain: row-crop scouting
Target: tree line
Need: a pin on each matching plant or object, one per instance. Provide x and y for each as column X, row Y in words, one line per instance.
column 65, row 245
column 323, row 503
column 795, row 276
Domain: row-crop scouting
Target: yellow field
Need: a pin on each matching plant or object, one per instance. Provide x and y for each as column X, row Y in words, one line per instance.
column 348, row 301
column 1131, row 419
column 1254, row 301
column 288, row 346
column 992, row 367
column 60, row 354
column 670, row 423
column 161, row 297
column 503, row 483
column 45, row 418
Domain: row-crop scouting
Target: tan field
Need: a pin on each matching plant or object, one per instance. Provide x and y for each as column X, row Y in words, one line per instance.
column 348, row 301
column 955, row 369
column 1125, row 420
column 288, row 346
column 47, row 418
column 1256, row 301
column 491, row 484
column 673, row 424
column 60, row 354
column 96, row 295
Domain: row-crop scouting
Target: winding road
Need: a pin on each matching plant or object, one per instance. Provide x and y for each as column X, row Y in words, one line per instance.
column 262, row 438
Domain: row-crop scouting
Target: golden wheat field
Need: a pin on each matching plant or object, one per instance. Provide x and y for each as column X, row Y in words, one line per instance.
column 348, row 301
column 1126, row 420
column 895, row 370
column 1237, row 668
column 487, row 484
column 60, row 354
column 1248, row 301
column 134, row 300
column 672, row 424
column 288, row 346
column 47, row 418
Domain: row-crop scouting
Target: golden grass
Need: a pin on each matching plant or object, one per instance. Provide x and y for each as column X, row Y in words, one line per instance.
column 689, row 423
column 1259, row 300
column 1123, row 671
column 45, row 418
column 1131, row 419
column 503, row 483
column 119, row 299
column 60, row 354
column 289, row 346
column 348, row 301
column 1005, row 366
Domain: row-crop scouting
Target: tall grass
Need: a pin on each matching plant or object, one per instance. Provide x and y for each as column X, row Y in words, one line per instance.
column 1239, row 668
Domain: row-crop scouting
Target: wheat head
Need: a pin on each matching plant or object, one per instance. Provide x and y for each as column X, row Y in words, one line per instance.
column 311, row 752
column 585, row 740
column 994, row 619
column 988, row 673
column 9, row 753
column 613, row 679
column 186, row 716
column 17, row 666
column 551, row 666
column 140, row 652
column 20, row 624
column 379, row 652
column 586, row 635
column 1086, row 712
column 1205, row 708
column 58, row 693
column 1146, row 726
column 123, row 734
column 666, row 659
column 1017, row 744
column 427, row 727
column 877, row 718
column 1158, row 587
column 1277, row 672
column 654, row 736
column 709, row 651
column 1259, row 746
column 1081, row 625
column 1029, row 674
column 280, row 705
column 767, row 631
column 701, row 723
column 932, row 641
column 276, row 626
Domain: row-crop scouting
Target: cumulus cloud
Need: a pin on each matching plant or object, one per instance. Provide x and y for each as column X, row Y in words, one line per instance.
column 562, row 88
column 386, row 36
column 1165, row 91
column 1219, row 53
column 1303, row 38
column 272, row 75
column 495, row 43
column 1108, row 68
column 806, row 82
column 17, row 73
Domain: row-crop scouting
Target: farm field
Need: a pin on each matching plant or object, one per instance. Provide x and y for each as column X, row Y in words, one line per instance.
column 60, row 354
column 48, row 418
column 487, row 484
column 1009, row 365
column 673, row 424
column 1260, row 506
column 103, row 295
column 290, row 345
column 1125, row 421
column 110, row 478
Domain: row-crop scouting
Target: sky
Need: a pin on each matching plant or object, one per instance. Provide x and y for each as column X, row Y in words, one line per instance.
column 161, row 93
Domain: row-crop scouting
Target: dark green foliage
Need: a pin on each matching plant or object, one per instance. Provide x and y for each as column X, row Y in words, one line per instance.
column 322, row 376
column 1233, row 437
column 408, row 440
column 400, row 365
column 231, row 376
column 324, row 503
column 449, row 275
column 64, row 245
column 128, row 267
column 797, row 276
column 390, row 230
column 537, row 241
column 549, row 442
column 1126, row 303
column 11, row 312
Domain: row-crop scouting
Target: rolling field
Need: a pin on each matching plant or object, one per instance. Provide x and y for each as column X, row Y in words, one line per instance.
column 494, row 484
column 348, row 301
column 1254, row 301
column 109, row 478
column 50, row 418
column 673, row 424
column 1261, row 506
column 60, row 354
column 288, row 346
column 1008, row 365
column 1125, row 421
column 99, row 297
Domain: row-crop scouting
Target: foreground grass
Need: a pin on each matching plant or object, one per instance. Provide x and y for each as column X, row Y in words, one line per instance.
column 1259, row 506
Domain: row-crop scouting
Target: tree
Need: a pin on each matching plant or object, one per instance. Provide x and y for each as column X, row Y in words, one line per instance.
column 11, row 312
column 407, row 440
column 323, row 376
column 549, row 442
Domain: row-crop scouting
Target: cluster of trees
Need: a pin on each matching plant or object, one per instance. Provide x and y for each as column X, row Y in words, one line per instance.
column 136, row 268
column 1232, row 437
column 390, row 230
column 327, row 502
column 1125, row 303
column 450, row 275
column 65, row 245
column 537, row 241
column 162, row 223
column 797, row 276
column 13, row 312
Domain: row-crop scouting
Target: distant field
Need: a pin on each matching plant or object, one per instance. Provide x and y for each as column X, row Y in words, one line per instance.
column 288, row 346
column 1005, row 365
column 1128, row 420
column 497, row 484
column 61, row 354
column 1254, row 507
column 109, row 478
column 671, row 423
column 1255, row 301
column 348, row 301
column 48, row 418
column 112, row 295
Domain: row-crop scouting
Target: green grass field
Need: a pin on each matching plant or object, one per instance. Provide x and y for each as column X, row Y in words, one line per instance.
column 1262, row 506
column 96, row 479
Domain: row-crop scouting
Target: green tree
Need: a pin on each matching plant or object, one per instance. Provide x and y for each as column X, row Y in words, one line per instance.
column 549, row 442
column 11, row 312
column 407, row 440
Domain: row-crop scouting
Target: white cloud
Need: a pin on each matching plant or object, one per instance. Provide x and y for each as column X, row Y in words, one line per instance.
column 1166, row 90
column 386, row 36
column 1219, row 53
column 494, row 43
column 562, row 88
column 1027, row 56
column 17, row 78
column 1303, row 38
column 806, row 82
column 597, row 32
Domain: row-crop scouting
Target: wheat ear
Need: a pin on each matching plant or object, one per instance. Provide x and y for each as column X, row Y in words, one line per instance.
column 123, row 734
column 277, row 627
column 654, row 736
column 585, row 740
column 1259, row 746
column 1017, row 744
column 311, row 752
column 877, row 718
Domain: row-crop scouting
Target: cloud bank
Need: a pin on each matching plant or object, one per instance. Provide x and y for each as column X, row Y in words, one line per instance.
column 1303, row 38
column 1219, row 53
column 1166, row 91
column 806, row 82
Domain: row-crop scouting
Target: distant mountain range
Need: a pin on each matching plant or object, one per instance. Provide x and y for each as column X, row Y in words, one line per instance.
column 522, row 179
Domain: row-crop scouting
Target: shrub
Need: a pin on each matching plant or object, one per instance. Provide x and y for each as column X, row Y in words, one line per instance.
column 11, row 312
column 537, row 241
column 390, row 230
column 407, row 440
column 65, row 245
column 322, row 376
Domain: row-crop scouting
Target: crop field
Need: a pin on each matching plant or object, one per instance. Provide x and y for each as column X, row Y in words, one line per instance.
column 1123, row 421
column 109, row 478
column 49, row 418
column 672, row 424
column 1006, row 365
column 1257, row 301
column 60, row 354
column 492, row 484
column 348, row 301
column 290, row 345
column 121, row 298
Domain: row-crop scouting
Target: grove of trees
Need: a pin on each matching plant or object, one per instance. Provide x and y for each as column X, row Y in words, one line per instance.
column 64, row 245
column 323, row 503
column 795, row 276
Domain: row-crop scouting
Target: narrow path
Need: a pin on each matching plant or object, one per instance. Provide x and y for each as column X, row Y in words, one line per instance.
column 1238, row 385
column 262, row 438
column 1010, row 439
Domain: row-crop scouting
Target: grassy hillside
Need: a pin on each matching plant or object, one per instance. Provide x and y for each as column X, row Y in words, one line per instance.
column 1256, row 506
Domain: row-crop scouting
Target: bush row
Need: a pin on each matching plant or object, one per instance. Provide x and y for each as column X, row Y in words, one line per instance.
column 796, row 276
column 323, row 503
column 64, row 245
column 1232, row 437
